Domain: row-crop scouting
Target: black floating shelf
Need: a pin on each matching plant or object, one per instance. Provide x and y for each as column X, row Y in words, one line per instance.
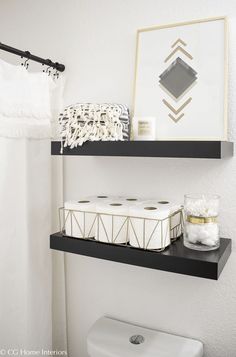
column 174, row 149
column 175, row 259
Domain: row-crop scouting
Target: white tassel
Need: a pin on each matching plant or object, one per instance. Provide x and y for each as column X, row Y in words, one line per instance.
column 93, row 122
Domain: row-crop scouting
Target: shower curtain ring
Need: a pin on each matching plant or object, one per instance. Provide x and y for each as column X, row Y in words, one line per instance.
column 47, row 70
column 26, row 63
column 56, row 73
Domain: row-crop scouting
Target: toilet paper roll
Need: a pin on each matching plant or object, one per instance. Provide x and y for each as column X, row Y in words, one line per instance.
column 175, row 219
column 152, row 229
column 80, row 224
column 101, row 198
column 131, row 200
column 112, row 222
column 176, row 225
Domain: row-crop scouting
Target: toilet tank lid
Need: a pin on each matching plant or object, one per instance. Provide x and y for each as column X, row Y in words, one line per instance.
column 109, row 337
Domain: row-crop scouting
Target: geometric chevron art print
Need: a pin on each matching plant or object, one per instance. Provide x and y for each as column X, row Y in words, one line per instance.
column 181, row 79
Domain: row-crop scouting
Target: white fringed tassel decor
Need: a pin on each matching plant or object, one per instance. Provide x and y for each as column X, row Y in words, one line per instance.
column 93, row 122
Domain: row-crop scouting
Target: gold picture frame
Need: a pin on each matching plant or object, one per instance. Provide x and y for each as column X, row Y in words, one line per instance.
column 224, row 136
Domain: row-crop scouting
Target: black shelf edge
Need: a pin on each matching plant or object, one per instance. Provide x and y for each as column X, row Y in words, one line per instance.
column 168, row 149
column 176, row 259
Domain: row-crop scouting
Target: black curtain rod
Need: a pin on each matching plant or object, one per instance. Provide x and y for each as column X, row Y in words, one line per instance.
column 26, row 54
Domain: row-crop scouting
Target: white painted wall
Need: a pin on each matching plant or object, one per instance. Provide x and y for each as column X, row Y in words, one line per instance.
column 96, row 41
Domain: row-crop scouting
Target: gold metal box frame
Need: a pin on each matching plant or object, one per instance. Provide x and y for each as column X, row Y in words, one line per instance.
column 69, row 214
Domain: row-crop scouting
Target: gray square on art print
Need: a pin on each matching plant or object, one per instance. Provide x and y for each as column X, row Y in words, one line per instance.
column 178, row 77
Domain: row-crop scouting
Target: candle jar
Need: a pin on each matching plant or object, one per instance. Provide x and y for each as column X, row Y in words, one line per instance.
column 201, row 229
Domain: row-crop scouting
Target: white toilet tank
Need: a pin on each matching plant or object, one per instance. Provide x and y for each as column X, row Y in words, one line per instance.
column 112, row 338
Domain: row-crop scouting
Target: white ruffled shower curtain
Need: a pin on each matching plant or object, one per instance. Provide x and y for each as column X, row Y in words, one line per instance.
column 25, row 261
column 25, row 209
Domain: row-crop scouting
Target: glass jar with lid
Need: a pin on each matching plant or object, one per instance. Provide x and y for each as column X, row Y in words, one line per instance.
column 201, row 229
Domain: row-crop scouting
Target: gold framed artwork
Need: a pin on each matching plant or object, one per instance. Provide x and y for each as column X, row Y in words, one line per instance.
column 181, row 79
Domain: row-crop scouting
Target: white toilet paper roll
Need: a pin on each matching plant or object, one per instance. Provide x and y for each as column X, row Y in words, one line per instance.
column 112, row 221
column 80, row 224
column 101, row 198
column 176, row 225
column 152, row 229
column 131, row 200
column 175, row 219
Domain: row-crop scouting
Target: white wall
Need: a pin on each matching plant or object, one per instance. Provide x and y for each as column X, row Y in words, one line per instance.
column 96, row 41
